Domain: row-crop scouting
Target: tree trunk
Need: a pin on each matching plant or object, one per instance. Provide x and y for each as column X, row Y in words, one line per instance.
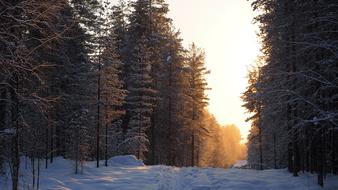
column 38, row 180
column 51, row 143
column 153, row 141
column 15, row 140
column 106, row 139
column 320, row 161
column 98, row 115
column 193, row 149
column 46, row 147
column 260, row 148
column 274, row 151
column 33, row 171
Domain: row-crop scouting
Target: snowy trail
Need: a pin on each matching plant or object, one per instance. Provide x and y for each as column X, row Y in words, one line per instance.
column 133, row 175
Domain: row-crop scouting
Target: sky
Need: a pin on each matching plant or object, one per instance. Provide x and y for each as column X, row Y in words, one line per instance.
column 224, row 29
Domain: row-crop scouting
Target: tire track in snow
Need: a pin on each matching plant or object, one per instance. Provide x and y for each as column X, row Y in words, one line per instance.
column 168, row 178
column 171, row 178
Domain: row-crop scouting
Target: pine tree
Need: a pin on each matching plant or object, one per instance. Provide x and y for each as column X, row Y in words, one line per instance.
column 138, row 66
column 89, row 14
column 197, row 87
column 78, row 142
column 140, row 102
column 169, row 113
column 72, row 69
column 118, row 22
column 113, row 94
column 296, row 82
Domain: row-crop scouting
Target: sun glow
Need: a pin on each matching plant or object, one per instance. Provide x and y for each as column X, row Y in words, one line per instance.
column 225, row 30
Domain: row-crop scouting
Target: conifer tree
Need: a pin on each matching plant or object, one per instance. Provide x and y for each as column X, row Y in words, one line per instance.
column 138, row 66
column 140, row 101
column 21, row 70
column 112, row 92
column 78, row 142
column 169, row 114
column 296, row 82
column 197, row 87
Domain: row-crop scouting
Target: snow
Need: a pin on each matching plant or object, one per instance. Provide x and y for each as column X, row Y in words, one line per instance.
column 8, row 131
column 168, row 59
column 241, row 164
column 128, row 173
column 119, row 161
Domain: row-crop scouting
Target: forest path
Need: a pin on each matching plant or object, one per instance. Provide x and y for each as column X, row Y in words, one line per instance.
column 124, row 173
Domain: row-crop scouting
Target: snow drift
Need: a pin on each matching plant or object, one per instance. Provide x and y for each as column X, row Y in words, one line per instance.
column 129, row 160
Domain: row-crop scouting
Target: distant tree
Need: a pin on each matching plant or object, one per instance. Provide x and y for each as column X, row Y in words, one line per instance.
column 222, row 146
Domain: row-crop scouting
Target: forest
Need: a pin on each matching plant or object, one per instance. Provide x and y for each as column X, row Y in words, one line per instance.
column 88, row 80
column 94, row 82
column 292, row 92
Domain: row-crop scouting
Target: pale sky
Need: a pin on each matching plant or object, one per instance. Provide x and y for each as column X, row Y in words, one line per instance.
column 224, row 29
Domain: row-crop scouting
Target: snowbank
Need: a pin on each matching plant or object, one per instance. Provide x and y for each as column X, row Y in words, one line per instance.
column 129, row 160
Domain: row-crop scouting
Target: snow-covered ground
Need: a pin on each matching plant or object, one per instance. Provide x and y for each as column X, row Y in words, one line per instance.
column 127, row 173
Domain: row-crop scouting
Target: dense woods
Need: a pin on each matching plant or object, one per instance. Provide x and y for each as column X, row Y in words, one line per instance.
column 88, row 80
column 293, row 90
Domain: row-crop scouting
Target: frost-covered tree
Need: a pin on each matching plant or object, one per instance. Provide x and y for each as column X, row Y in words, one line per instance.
column 140, row 102
column 78, row 142
column 112, row 92
column 21, row 70
column 169, row 116
column 297, row 85
column 198, row 99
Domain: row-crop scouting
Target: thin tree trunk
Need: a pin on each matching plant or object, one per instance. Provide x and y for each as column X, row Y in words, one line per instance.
column 153, row 118
column 321, row 161
column 98, row 115
column 46, row 147
column 274, row 151
column 77, row 149
column 139, row 133
column 260, row 148
column 38, row 180
column 33, row 171
column 153, row 141
column 295, row 155
column 197, row 154
column 16, row 156
column 106, row 137
column 334, row 151
column 170, row 134
column 51, row 143
column 76, row 158
column 193, row 149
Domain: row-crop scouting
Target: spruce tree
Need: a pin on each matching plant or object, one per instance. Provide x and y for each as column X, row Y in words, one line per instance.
column 112, row 92
column 197, row 87
column 140, row 101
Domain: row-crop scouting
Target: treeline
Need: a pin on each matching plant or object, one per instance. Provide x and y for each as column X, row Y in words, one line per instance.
column 221, row 147
column 88, row 80
column 293, row 91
